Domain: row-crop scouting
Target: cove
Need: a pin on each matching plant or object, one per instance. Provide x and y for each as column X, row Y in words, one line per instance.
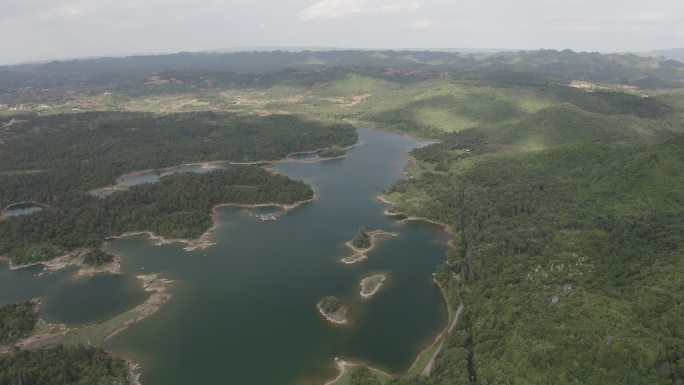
column 243, row 311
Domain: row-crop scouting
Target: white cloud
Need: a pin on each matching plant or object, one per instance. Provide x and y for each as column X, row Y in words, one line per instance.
column 578, row 27
column 460, row 23
column 339, row 8
column 67, row 28
column 423, row 24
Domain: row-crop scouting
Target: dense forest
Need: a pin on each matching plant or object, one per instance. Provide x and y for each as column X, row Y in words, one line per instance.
column 178, row 206
column 17, row 321
column 569, row 262
column 59, row 365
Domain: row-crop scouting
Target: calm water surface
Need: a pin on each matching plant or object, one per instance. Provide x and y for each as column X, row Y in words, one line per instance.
column 19, row 209
column 243, row 311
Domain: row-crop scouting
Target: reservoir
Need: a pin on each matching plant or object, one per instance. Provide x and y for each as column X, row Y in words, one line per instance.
column 244, row 310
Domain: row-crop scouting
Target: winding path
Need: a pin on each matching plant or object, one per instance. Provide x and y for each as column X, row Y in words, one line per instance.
column 457, row 317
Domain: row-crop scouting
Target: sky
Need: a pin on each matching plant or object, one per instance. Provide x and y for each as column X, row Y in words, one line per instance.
column 57, row 29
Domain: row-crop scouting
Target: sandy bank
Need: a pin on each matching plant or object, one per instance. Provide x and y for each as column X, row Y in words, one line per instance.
column 339, row 317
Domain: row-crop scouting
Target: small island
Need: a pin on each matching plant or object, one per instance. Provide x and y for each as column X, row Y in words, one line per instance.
column 363, row 242
column 371, row 285
column 333, row 310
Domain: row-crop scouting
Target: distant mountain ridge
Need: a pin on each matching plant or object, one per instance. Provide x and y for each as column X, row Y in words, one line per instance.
column 566, row 65
column 671, row 54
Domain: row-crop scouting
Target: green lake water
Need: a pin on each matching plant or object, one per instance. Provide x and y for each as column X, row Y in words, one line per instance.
column 243, row 311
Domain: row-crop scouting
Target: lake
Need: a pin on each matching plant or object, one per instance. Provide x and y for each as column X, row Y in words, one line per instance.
column 244, row 310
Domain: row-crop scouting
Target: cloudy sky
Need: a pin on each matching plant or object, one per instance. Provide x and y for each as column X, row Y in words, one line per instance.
column 48, row 29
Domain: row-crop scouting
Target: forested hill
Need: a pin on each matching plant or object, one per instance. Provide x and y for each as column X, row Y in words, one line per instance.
column 614, row 68
column 569, row 261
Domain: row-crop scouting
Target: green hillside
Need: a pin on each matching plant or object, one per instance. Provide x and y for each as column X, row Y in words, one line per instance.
column 569, row 263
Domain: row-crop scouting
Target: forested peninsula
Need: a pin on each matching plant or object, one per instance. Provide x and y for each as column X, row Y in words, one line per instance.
column 561, row 256
column 179, row 206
